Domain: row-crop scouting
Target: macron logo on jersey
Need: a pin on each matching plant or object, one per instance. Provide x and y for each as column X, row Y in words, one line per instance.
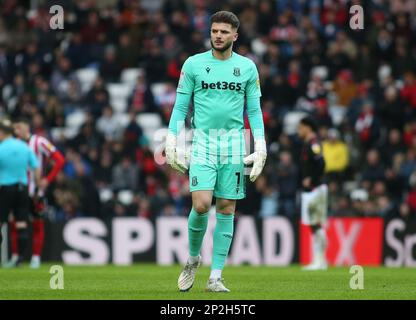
column 221, row 85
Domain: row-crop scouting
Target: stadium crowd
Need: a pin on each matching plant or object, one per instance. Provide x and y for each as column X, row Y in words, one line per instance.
column 359, row 84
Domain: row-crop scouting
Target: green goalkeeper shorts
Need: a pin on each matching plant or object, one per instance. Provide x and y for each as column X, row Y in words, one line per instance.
column 222, row 174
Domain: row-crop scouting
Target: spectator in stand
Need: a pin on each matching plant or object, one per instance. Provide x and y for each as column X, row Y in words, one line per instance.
column 109, row 125
column 393, row 146
column 166, row 100
column 373, row 170
column 125, row 175
column 407, row 166
column 359, row 198
column 61, row 76
column 391, row 109
column 110, row 68
column 269, row 201
column 97, row 98
column 128, row 53
column 345, row 88
column 336, row 156
column 142, row 99
column 286, row 181
column 408, row 93
column 410, row 199
column 368, row 126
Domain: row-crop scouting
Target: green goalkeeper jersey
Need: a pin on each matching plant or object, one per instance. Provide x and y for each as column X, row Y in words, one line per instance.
column 220, row 89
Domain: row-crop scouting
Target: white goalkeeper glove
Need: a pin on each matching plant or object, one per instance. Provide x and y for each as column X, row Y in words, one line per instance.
column 257, row 158
column 176, row 157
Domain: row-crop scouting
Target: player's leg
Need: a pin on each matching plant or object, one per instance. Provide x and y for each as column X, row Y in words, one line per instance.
column 223, row 235
column 202, row 180
column 13, row 245
column 6, row 204
column 230, row 187
column 198, row 221
column 316, row 205
column 319, row 232
column 21, row 210
column 319, row 246
column 38, row 233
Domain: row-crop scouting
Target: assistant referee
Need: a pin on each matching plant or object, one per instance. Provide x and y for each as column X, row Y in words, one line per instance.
column 16, row 158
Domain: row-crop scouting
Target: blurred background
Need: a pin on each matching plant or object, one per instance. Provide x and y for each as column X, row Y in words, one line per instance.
column 101, row 87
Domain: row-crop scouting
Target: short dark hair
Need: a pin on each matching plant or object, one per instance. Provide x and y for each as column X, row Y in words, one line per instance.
column 226, row 17
column 24, row 119
column 310, row 122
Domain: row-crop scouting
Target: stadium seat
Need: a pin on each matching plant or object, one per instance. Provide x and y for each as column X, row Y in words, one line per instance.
column 119, row 90
column 337, row 114
column 158, row 89
column 291, row 120
column 119, row 94
column 75, row 119
column 7, row 91
column 125, row 197
column 106, row 194
column 129, row 76
column 119, row 105
column 59, row 134
column 86, row 77
column 320, row 71
column 149, row 121
column 123, row 119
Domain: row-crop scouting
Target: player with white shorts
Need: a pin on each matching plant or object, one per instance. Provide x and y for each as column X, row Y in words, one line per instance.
column 314, row 197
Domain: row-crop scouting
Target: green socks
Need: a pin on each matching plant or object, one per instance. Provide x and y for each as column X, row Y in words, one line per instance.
column 223, row 235
column 197, row 225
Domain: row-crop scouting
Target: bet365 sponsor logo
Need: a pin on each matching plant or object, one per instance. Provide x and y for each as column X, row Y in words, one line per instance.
column 221, row 85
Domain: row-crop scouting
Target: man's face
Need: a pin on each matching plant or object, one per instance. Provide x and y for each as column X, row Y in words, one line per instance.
column 21, row 130
column 302, row 131
column 222, row 36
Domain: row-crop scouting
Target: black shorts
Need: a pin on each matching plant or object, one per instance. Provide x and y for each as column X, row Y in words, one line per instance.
column 14, row 199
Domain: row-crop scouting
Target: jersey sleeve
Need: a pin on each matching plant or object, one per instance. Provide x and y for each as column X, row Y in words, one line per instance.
column 186, row 81
column 46, row 147
column 253, row 85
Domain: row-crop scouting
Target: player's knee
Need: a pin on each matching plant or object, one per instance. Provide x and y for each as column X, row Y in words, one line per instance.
column 226, row 207
column 201, row 207
column 21, row 224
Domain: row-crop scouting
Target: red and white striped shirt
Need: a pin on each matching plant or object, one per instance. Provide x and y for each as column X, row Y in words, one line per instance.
column 43, row 150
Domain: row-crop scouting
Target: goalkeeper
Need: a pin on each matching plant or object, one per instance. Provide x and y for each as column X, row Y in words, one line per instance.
column 221, row 82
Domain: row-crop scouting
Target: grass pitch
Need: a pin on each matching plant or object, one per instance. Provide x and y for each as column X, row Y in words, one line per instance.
column 149, row 281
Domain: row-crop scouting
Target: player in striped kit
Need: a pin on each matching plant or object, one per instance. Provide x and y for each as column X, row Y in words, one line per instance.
column 45, row 151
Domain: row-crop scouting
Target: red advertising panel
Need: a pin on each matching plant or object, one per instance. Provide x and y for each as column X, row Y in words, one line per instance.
column 350, row 241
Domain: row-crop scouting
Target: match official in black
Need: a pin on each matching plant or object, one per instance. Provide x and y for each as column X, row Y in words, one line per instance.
column 16, row 158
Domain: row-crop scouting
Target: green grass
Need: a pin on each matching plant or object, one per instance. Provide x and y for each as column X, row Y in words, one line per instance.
column 148, row 281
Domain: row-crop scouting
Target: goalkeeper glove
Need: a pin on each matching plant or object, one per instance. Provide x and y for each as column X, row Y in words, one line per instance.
column 174, row 156
column 257, row 158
